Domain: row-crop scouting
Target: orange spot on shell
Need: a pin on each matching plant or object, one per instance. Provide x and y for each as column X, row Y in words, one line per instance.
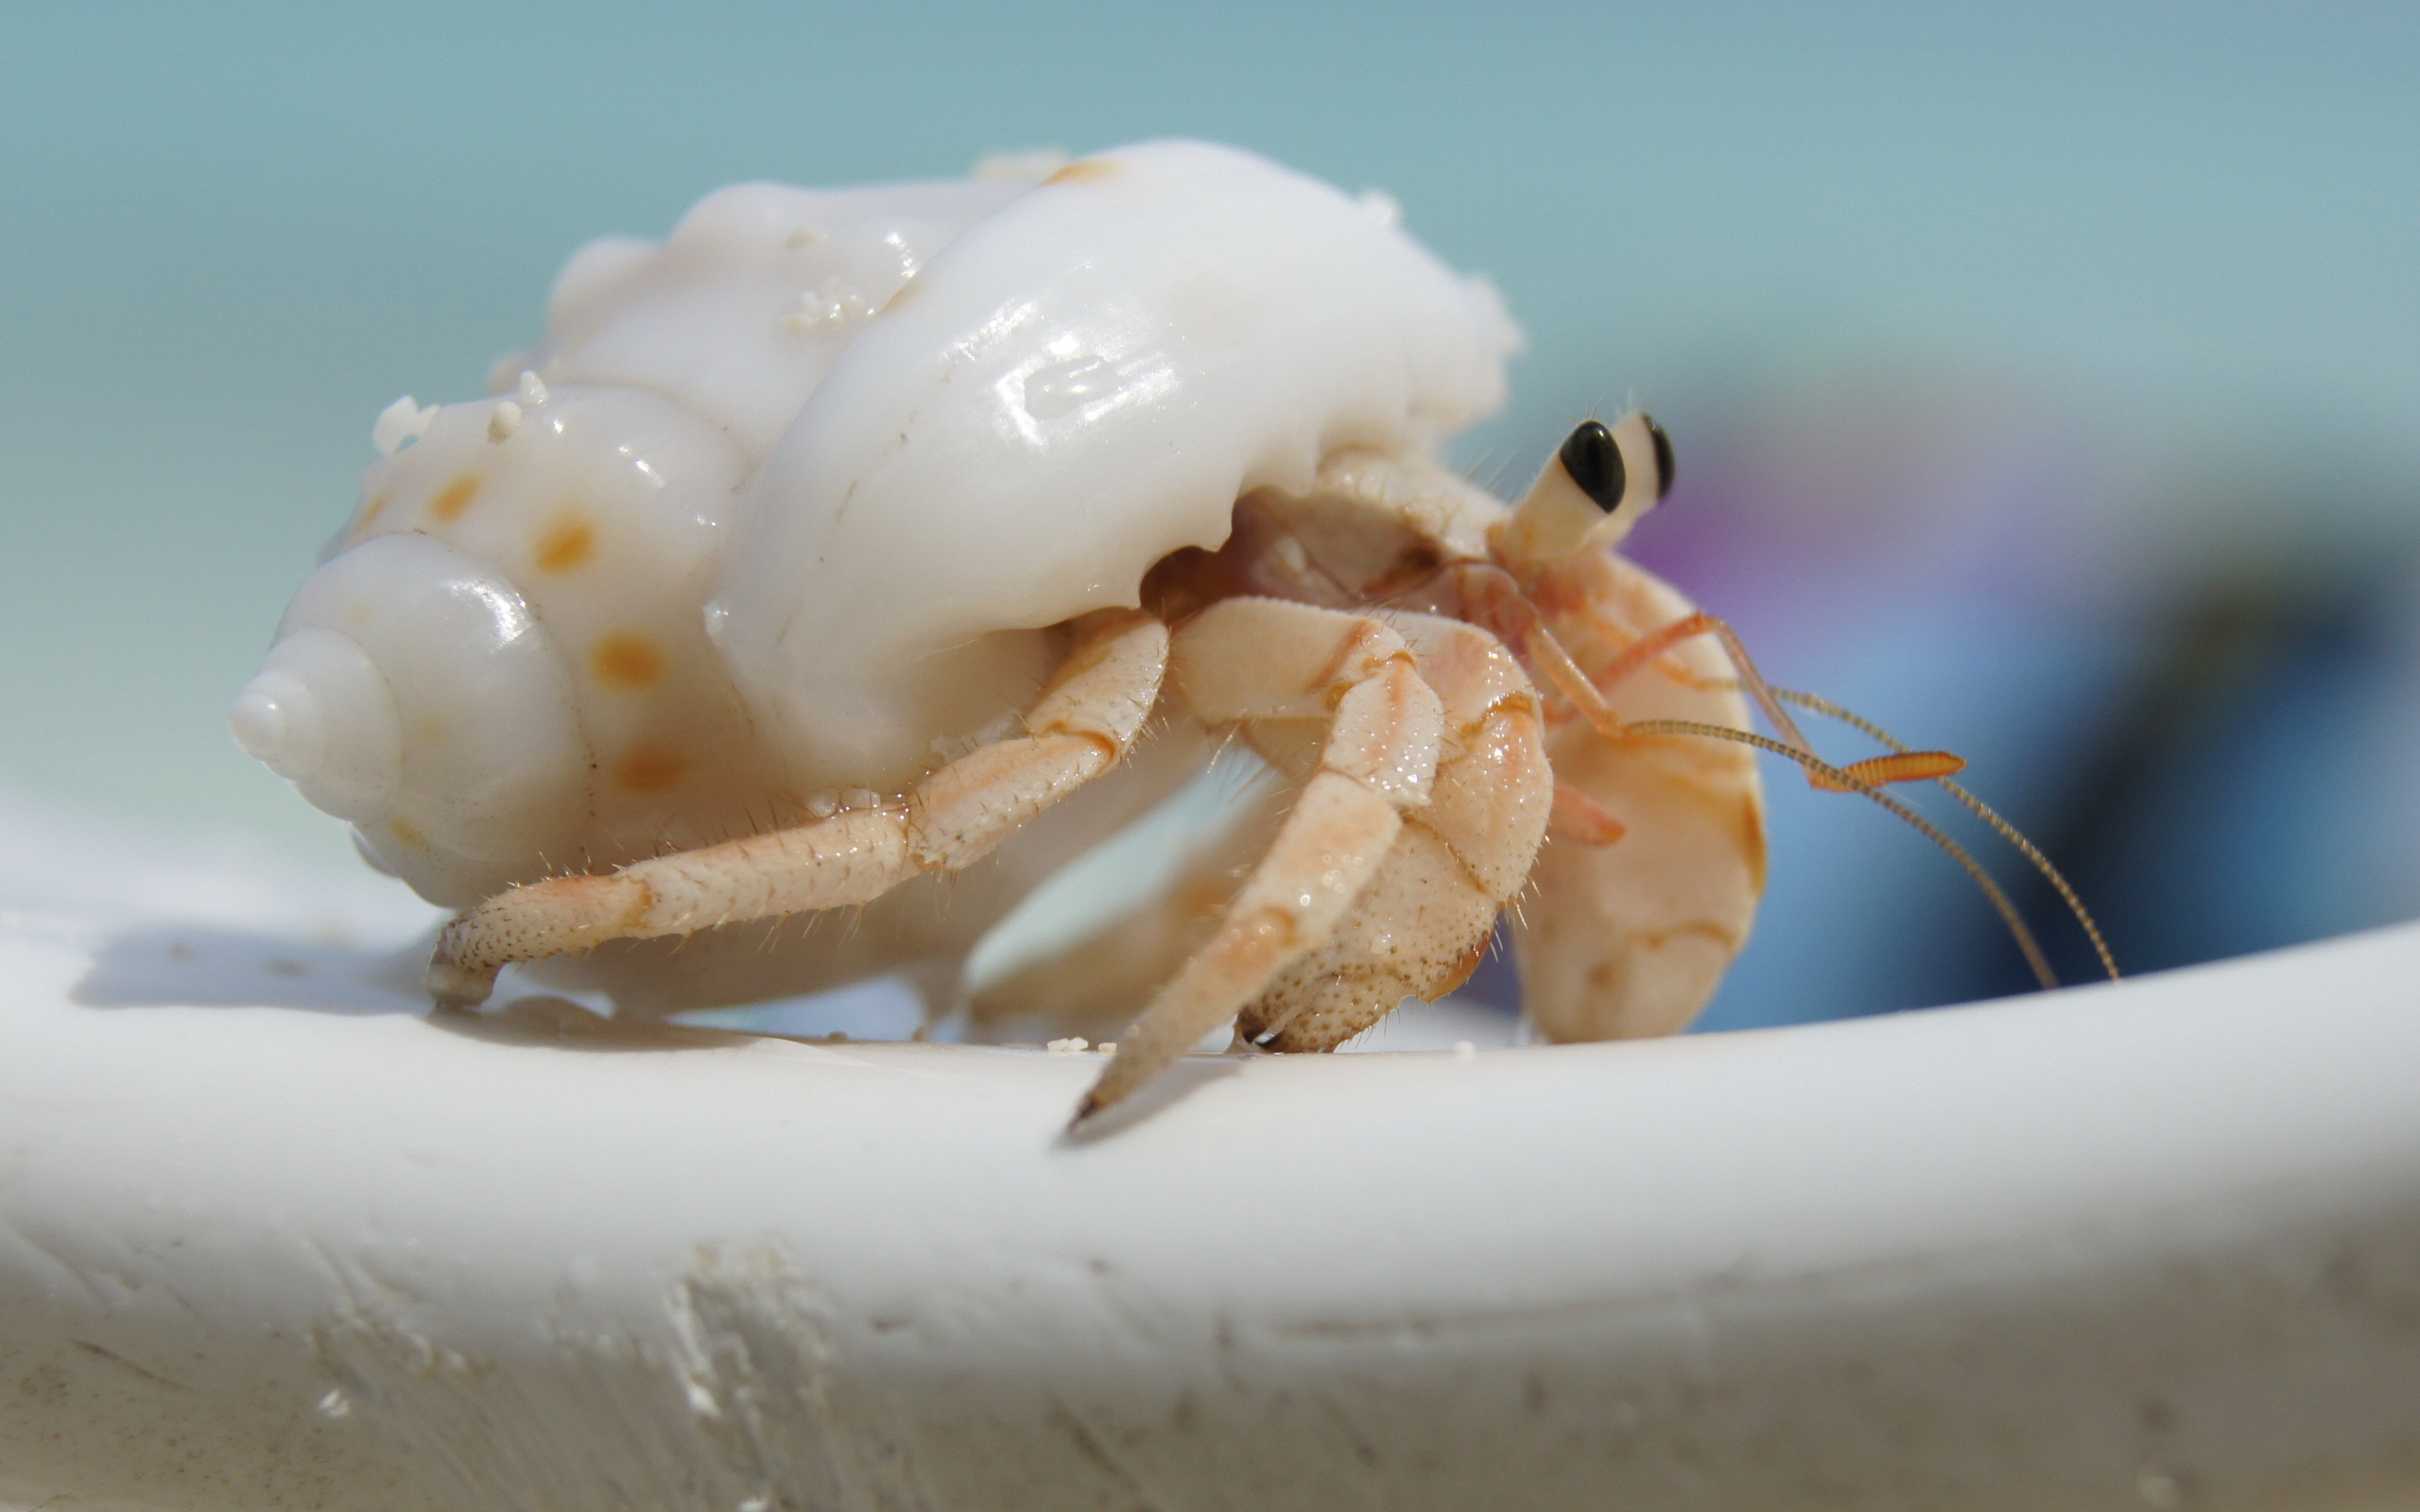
column 1081, row 169
column 626, row 661
column 370, row 513
column 407, row 832
column 455, row 497
column 565, row 543
column 649, row 769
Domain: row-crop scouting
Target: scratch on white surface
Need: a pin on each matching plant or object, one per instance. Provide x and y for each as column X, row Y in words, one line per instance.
column 755, row 1362
column 1090, row 1446
column 742, row 1404
column 74, row 1273
column 117, row 1359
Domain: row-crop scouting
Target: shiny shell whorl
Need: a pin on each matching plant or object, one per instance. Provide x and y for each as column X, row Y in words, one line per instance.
column 1080, row 384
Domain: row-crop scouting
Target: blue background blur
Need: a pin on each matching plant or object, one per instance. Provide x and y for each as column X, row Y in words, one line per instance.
column 2045, row 381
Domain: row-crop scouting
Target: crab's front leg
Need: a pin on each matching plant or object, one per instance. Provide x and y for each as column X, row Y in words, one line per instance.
column 1080, row 727
column 1248, row 660
column 1429, row 915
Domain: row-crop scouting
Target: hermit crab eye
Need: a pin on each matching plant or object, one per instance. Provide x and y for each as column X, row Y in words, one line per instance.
column 1602, row 482
column 1663, row 455
column 1595, row 463
column 1649, row 453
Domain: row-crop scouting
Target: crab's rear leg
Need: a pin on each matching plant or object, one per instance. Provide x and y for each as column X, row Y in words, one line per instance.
column 1428, row 917
column 1248, row 660
column 1084, row 721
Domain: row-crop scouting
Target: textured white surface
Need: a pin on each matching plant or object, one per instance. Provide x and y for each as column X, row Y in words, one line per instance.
column 269, row 1238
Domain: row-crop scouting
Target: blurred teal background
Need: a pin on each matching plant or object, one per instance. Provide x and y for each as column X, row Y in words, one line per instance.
column 2045, row 377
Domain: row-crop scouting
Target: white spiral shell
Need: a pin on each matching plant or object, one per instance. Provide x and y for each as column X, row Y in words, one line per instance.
column 784, row 503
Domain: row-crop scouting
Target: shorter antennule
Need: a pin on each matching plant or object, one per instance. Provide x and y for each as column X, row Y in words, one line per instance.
column 1981, row 810
column 1903, row 767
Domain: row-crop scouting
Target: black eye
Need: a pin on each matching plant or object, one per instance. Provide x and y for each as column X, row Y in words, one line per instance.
column 1595, row 464
column 1663, row 455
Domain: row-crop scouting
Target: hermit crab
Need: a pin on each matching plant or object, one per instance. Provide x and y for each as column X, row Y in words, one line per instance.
column 848, row 539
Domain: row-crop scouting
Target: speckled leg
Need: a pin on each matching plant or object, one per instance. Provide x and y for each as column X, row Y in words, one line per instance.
column 1080, row 726
column 1426, row 919
column 1244, row 662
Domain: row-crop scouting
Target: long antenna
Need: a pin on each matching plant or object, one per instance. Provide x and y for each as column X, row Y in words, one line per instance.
column 1981, row 810
column 1844, row 781
column 1508, row 610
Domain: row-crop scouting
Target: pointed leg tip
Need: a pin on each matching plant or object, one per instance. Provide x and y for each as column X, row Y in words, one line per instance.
column 453, row 987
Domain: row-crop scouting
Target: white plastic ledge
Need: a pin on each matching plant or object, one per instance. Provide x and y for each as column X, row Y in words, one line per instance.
column 2151, row 1246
